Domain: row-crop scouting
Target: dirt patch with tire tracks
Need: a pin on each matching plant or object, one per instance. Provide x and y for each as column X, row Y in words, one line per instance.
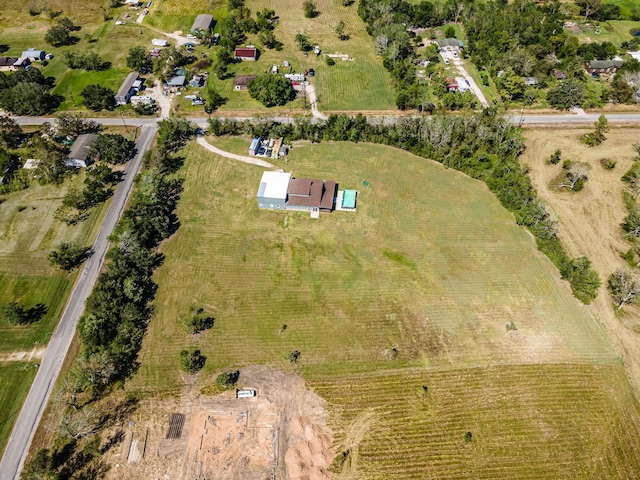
column 279, row 433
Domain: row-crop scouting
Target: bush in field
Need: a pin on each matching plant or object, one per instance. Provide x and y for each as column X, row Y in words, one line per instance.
column 192, row 361
column 227, row 380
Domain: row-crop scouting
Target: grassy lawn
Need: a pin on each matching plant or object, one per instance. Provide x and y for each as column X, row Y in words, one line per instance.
column 361, row 84
column 173, row 15
column 431, row 265
column 615, row 31
column 627, row 7
column 15, row 380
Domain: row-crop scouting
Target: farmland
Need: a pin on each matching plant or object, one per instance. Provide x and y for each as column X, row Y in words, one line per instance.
column 413, row 289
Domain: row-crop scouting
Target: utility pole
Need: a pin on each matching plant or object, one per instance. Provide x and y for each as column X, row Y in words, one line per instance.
column 125, row 123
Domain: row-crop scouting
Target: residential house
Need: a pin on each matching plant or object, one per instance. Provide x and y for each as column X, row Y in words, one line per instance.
column 79, row 152
column 7, row 64
column 241, row 82
column 176, row 82
column 452, row 84
column 248, row 53
column 131, row 86
column 202, row 24
column 449, row 44
column 603, row 67
column 279, row 191
column 560, row 75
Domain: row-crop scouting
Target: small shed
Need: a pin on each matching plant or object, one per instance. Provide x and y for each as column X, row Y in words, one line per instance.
column 129, row 87
column 248, row 53
column 34, row 55
column 79, row 153
column 254, row 148
column 530, row 81
column 202, row 24
column 272, row 192
column 241, row 82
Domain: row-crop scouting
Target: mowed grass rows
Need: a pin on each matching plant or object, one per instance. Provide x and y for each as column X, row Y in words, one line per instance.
column 527, row 421
column 430, row 264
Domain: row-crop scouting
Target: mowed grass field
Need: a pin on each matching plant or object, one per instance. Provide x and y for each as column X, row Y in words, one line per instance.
column 526, row 421
column 15, row 380
column 361, row 84
column 431, row 265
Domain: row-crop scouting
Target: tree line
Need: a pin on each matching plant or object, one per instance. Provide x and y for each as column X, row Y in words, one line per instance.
column 115, row 318
column 485, row 146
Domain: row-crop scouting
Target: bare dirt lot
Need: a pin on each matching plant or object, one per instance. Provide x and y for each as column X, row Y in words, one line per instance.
column 590, row 219
column 279, row 433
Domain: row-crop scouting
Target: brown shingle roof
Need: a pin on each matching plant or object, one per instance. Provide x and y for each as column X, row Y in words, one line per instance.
column 307, row 192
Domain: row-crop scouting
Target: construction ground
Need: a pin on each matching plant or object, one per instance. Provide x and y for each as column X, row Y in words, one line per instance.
column 280, row 433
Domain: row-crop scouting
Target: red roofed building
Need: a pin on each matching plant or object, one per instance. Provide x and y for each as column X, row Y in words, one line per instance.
column 248, row 53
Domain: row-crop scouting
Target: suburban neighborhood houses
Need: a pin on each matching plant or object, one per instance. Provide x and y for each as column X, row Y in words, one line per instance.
column 313, row 240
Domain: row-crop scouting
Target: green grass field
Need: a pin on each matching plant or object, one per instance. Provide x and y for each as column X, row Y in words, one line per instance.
column 431, row 265
column 15, row 380
column 615, row 31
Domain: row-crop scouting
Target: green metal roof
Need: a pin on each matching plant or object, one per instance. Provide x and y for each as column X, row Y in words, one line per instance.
column 349, row 199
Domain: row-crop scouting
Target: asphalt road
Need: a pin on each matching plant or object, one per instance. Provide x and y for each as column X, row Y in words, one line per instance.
column 36, row 401
column 525, row 120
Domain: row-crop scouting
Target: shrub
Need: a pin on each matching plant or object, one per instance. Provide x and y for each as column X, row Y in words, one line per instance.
column 608, row 164
column 554, row 159
column 227, row 380
column 192, row 361
column 330, row 61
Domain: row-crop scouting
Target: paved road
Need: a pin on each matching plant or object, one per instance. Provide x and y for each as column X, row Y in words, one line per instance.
column 533, row 120
column 36, row 401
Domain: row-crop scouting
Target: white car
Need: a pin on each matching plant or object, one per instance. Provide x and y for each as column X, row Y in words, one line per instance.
column 446, row 61
column 191, row 37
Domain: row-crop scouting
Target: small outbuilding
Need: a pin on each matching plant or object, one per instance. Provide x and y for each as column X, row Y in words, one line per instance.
column 241, row 82
column 176, row 81
column 247, row 53
column 34, row 55
column 530, row 81
column 79, row 154
column 202, row 24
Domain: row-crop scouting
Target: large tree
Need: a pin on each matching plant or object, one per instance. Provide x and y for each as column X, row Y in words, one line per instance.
column 10, row 132
column 139, row 60
column 97, row 97
column 112, row 148
column 624, row 285
column 69, row 255
column 271, row 90
column 566, row 94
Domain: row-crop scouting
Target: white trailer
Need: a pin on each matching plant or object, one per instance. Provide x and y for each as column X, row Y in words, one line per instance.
column 245, row 393
column 158, row 42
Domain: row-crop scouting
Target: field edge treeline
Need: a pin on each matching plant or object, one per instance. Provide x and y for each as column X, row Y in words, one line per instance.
column 484, row 146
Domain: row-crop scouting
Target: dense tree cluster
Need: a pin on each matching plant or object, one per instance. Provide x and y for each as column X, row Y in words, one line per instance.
column 96, row 98
column 26, row 92
column 138, row 60
column 271, row 90
column 112, row 148
column 85, row 61
column 484, row 146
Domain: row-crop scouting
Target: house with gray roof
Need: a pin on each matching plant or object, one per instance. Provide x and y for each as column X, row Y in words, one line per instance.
column 202, row 24
column 131, row 86
column 603, row 66
column 79, row 154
